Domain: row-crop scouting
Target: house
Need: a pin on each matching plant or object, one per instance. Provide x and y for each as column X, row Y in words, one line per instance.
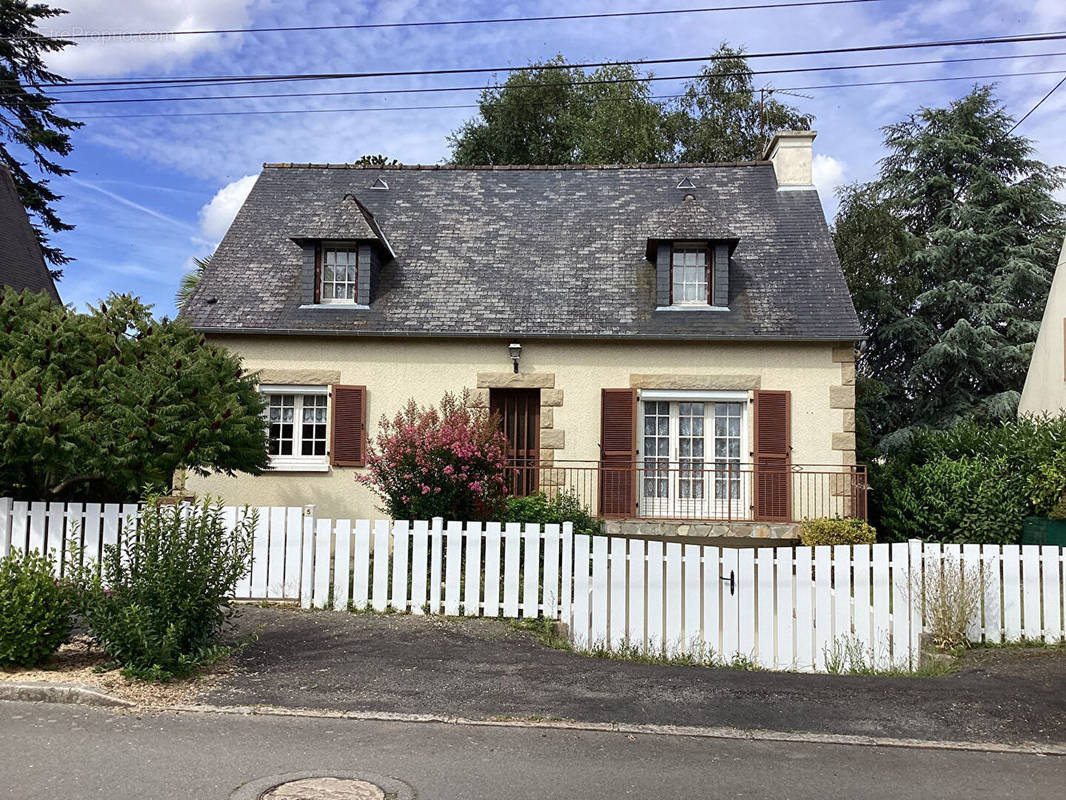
column 674, row 343
column 1045, row 383
column 22, row 265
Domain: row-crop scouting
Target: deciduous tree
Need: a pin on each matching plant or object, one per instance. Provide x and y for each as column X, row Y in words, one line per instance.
column 550, row 114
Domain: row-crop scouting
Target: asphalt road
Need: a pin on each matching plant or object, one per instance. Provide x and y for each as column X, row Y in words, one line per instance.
column 58, row 752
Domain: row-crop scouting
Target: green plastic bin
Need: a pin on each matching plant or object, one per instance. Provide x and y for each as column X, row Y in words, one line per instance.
column 1041, row 530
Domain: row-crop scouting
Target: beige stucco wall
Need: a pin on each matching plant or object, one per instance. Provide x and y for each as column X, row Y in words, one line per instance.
column 1045, row 383
column 820, row 377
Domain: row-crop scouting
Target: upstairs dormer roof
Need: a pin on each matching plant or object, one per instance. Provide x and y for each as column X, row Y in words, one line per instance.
column 348, row 220
column 551, row 252
column 689, row 220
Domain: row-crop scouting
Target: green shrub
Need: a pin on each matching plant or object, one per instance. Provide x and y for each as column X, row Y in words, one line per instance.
column 973, row 483
column 162, row 597
column 833, row 530
column 35, row 610
column 560, row 508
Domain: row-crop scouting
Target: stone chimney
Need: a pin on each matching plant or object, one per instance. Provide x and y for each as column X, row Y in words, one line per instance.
column 791, row 154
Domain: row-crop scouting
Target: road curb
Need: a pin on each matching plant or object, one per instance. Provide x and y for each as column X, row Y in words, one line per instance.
column 87, row 695
column 44, row 692
column 755, row 735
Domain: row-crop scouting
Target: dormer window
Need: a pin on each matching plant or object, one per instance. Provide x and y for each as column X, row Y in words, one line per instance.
column 690, row 274
column 339, row 273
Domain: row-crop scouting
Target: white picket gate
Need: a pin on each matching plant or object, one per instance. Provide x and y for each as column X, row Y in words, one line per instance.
column 802, row 608
column 780, row 608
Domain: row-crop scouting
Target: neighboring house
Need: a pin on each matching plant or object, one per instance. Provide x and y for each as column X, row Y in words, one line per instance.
column 1045, row 383
column 21, row 262
column 671, row 342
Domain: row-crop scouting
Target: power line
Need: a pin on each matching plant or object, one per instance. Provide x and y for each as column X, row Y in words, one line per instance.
column 586, row 82
column 441, row 23
column 1039, row 103
column 1012, row 39
column 773, row 90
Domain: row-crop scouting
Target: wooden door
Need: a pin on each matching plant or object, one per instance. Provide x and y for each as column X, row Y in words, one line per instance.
column 519, row 414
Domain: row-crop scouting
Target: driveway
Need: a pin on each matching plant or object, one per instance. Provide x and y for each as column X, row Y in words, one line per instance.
column 480, row 668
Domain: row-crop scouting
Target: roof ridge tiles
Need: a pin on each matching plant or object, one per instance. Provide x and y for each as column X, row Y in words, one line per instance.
column 515, row 167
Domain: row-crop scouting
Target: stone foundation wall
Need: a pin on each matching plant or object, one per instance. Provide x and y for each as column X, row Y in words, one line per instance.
column 703, row 530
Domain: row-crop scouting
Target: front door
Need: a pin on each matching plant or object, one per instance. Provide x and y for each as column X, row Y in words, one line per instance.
column 519, row 414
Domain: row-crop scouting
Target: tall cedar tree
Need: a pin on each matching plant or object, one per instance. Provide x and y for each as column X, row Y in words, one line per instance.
column 949, row 255
column 29, row 126
column 94, row 406
column 609, row 116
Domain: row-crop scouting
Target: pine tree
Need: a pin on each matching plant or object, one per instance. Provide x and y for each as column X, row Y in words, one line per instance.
column 949, row 254
column 28, row 124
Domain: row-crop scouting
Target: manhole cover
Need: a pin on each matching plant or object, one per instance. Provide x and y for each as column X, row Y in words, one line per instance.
column 325, row 785
column 326, row 789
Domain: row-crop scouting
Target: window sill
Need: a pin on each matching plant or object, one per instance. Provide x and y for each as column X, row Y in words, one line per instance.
column 297, row 465
column 692, row 308
column 336, row 306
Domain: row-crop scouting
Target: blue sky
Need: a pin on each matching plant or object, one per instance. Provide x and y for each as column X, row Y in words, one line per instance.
column 149, row 194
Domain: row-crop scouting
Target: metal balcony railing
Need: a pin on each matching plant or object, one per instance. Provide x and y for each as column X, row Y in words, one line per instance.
column 699, row 491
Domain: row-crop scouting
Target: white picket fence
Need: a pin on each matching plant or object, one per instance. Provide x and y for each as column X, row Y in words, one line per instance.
column 780, row 608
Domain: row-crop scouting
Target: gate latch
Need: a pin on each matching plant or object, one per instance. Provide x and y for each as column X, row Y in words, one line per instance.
column 732, row 582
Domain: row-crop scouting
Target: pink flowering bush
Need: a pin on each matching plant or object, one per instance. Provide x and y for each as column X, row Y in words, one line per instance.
column 446, row 461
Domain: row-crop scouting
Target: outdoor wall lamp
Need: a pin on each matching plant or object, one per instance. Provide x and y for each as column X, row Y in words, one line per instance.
column 514, row 349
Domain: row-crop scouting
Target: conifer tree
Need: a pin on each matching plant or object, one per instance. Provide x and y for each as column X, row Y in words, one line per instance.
column 29, row 127
column 949, row 255
column 95, row 406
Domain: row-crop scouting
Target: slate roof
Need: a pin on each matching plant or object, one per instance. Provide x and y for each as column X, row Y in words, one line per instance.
column 531, row 251
column 21, row 262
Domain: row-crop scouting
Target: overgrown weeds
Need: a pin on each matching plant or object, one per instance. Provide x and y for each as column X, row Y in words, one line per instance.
column 951, row 596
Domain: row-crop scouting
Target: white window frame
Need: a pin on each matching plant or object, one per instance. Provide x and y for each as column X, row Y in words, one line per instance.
column 296, row 462
column 350, row 247
column 707, row 507
column 704, row 301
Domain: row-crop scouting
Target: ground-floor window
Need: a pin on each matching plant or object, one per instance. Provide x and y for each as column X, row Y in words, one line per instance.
column 297, row 420
column 691, row 447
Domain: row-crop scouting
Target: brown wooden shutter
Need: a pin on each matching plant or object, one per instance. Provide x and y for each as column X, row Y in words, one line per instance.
column 772, row 456
column 348, row 437
column 618, row 453
column 318, row 273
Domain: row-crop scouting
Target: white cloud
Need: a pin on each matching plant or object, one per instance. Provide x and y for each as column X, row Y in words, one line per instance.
column 828, row 174
column 113, row 56
column 216, row 216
